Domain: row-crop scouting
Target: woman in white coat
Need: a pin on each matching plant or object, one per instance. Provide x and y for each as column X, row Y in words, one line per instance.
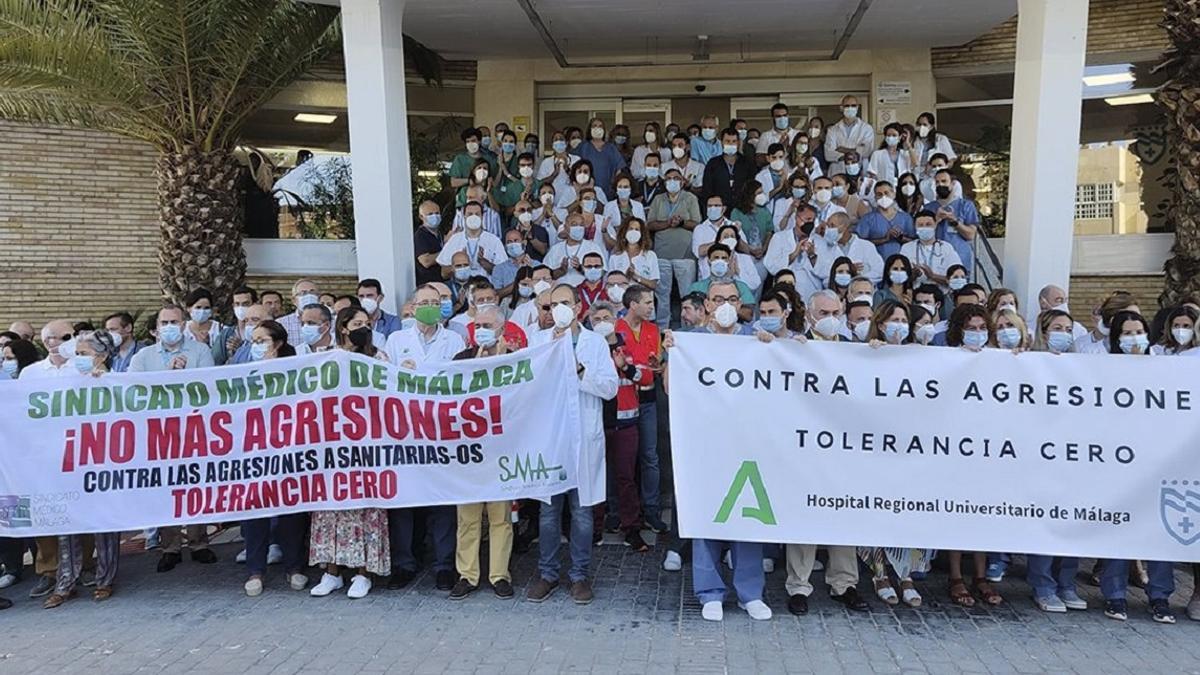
column 622, row 206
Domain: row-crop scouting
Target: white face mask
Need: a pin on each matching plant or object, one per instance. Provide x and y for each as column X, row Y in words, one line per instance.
column 603, row 328
column 824, row 195
column 730, row 243
column 651, row 137
column 481, row 175
column 908, row 189
column 563, row 316
column 541, row 286
column 885, row 202
column 597, row 132
column 760, row 199
column 777, row 165
column 677, row 152
column 1183, row 336
column 633, row 236
column 725, row 315
column 862, row 329
column 525, row 171
column 925, row 333
column 472, row 147
column 827, row 326
column 525, row 216
column 240, row 313
column 583, row 178
column 369, row 305
column 474, row 222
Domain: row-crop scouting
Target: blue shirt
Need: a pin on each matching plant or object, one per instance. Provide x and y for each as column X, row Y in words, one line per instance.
column 967, row 214
column 242, row 355
column 875, row 225
column 703, row 150
column 504, row 274
column 606, row 162
column 119, row 363
column 387, row 323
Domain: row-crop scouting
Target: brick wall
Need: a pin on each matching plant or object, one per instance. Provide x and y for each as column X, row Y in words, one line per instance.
column 1087, row 292
column 1113, row 26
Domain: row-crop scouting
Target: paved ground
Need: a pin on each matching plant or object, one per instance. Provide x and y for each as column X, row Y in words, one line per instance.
column 644, row 620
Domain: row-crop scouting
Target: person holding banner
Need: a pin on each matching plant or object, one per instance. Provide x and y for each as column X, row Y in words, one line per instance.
column 93, row 352
column 1010, row 332
column 597, row 383
column 1180, row 334
column 350, row 538
column 1096, row 341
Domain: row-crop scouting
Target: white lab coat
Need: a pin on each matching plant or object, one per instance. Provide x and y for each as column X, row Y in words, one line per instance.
column 706, row 233
column 612, row 216
column 881, row 168
column 776, row 259
column 858, row 250
column 940, row 144
column 560, row 251
column 486, row 245
column 939, row 256
column 859, row 136
column 409, row 344
column 563, row 179
column 598, row 384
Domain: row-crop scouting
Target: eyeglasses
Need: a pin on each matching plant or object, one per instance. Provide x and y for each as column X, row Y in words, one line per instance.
column 731, row 299
column 544, row 308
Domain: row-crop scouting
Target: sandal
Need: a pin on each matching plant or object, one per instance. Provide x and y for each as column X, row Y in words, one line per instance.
column 985, row 590
column 909, row 594
column 56, row 600
column 883, row 589
column 102, row 593
column 960, row 595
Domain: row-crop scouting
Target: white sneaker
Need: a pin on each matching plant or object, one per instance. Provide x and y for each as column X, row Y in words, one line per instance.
column 768, row 565
column 359, row 587
column 329, row 583
column 728, row 559
column 241, row 557
column 254, row 587
column 10, row 579
column 672, row 563
column 757, row 609
column 298, row 581
column 712, row 611
column 274, row 555
column 818, row 566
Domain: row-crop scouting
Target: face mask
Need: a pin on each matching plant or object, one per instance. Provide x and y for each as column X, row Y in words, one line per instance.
column 824, row 195
column 861, row 330
column 597, row 132
column 405, row 324
column 514, row 249
column 432, row 220
column 677, row 152
column 563, row 316
column 842, row 279
column 1128, row 342
column 616, row 293
column 307, row 299
column 258, row 350
column 239, row 313
column 592, row 274
column 923, row 130
column 620, row 140
column 777, row 165
column 708, row 134
column 719, row 268
column 9, row 366
column 650, row 136
column 588, row 205
column 1008, row 306
column 760, row 199
column 575, row 142
column 853, row 169
column 827, row 326
column 508, row 148
column 781, row 123
column 771, row 324
column 850, row 111
column 428, row 314
column 814, row 132
column 247, row 333
column 576, row 232
column 715, row 212
column 474, row 222
column 929, row 308
column 546, row 198
column 1183, row 335
column 898, row 276
column 652, row 172
column 895, row 332
column 926, row 234
column 726, row 315
column 729, row 150
column 83, row 364
column 360, row 337
column 885, row 202
column 975, row 338
column 957, row 283
column 839, row 191
column 908, row 189
column 310, row 334
column 201, row 315
column 481, row 175
column 462, row 273
column 369, row 305
column 472, row 147
column 531, row 148
column 832, row 235
column 672, row 133
column 943, row 191
column 583, row 178
column 892, row 141
column 447, row 307
column 864, row 298
column 559, row 146
column 169, row 335
column 1059, row 341
column 116, row 338
column 541, row 286
column 525, row 217
column 674, row 186
column 624, row 192
column 730, row 242
column 798, row 192
column 486, row 141
column 925, row 333
column 633, row 236
column 525, row 171
column 485, row 337
column 1008, row 338
column 802, row 149
column 604, row 328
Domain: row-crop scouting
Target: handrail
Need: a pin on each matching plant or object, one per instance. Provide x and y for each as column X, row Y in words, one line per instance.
column 989, row 272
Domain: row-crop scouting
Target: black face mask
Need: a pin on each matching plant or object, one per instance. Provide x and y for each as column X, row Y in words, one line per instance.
column 360, row 337
column 943, row 191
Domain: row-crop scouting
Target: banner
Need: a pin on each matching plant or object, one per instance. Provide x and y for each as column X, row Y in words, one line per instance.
column 320, row 432
column 934, row 447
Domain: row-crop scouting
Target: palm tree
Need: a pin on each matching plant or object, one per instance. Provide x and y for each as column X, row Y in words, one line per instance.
column 1180, row 98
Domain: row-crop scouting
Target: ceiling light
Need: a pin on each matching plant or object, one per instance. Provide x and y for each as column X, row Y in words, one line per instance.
column 1130, row 100
column 1106, row 80
column 315, row 118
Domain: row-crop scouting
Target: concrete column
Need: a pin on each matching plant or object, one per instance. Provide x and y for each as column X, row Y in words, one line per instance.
column 1047, row 89
column 378, row 110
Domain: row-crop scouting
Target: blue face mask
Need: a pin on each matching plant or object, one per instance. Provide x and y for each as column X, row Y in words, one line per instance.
column 83, row 364
column 447, row 309
column 1008, row 338
column 258, row 350
column 782, row 123
column 832, row 235
column 895, row 331
column 514, row 249
column 310, row 334
column 798, row 193
column 771, row 324
column 462, row 273
column 508, row 148
column 715, row 212
column 957, row 283
column 624, row 192
column 652, row 172
column 975, row 338
column 576, row 233
column 247, row 332
column 593, row 274
column 170, row 334
column 1060, row 341
column 559, row 146
column 839, row 191
column 719, row 268
column 708, row 134
column 486, row 141
column 842, row 279
column 485, row 337
column 433, row 220
column 898, row 276
column 9, row 366
column 200, row 315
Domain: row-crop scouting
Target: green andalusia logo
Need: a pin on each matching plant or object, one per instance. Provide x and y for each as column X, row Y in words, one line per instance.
column 761, row 511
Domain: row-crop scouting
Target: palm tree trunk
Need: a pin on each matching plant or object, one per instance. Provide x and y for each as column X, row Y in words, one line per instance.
column 200, row 212
column 1180, row 99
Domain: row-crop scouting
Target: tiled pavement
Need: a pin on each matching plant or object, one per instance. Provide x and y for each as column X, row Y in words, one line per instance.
column 644, row 620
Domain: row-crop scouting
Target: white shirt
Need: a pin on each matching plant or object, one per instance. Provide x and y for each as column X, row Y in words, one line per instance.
column 526, row 316
column 693, row 171
column 486, row 245
column 562, row 251
column 44, row 369
column 491, row 221
column 410, row 344
column 706, row 233
column 747, row 272
column 638, row 162
column 940, row 144
column 598, row 384
column 567, row 196
column 612, row 215
column 1088, row 344
column 929, row 190
column 776, row 259
column 302, row 349
column 772, row 135
column 644, row 263
column 858, row 135
column 823, row 212
column 938, row 255
column 860, row 251
column 563, row 179
column 881, row 168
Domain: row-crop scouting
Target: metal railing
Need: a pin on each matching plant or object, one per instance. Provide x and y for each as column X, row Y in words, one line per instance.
column 989, row 272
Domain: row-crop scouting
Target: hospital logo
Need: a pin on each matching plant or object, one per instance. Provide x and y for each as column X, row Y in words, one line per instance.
column 15, row 511
column 747, row 476
column 1179, row 506
column 530, row 471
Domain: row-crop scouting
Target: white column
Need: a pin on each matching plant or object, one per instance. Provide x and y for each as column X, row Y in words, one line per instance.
column 378, row 109
column 1047, row 89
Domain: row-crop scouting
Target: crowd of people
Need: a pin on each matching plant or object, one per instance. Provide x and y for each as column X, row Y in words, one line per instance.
column 807, row 233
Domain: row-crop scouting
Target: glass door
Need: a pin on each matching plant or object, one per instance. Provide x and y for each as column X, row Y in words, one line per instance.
column 637, row 113
column 755, row 110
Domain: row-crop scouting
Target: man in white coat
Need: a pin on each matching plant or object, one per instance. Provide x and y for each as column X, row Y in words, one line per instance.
column 597, row 383
column 838, row 239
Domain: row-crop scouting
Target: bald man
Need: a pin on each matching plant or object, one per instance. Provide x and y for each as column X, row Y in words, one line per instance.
column 24, row 329
column 427, row 242
column 1055, row 297
column 54, row 334
column 255, row 314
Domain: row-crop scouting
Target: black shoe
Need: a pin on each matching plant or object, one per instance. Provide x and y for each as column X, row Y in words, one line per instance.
column 5, row 603
column 656, row 525
column 43, row 587
column 522, row 545
column 168, row 561
column 612, row 523
column 633, row 539
column 462, row 589
column 444, row 581
column 798, row 604
column 204, row 556
column 503, row 589
column 851, row 600
column 400, row 579
column 597, row 538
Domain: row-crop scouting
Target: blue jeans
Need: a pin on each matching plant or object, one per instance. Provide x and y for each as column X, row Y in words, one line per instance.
column 648, row 456
column 443, row 523
column 748, row 577
column 289, row 533
column 1050, row 575
column 550, row 535
column 1115, row 577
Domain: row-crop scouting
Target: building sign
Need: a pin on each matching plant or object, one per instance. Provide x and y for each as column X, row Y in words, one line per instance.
column 893, row 92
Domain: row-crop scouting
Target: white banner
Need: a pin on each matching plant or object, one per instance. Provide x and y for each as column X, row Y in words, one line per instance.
column 940, row 448
column 321, row 432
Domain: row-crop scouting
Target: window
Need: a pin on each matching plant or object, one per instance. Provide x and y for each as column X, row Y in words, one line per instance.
column 1093, row 201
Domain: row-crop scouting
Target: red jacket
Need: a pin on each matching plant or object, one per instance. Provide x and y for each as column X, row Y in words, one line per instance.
column 588, row 295
column 512, row 333
column 646, row 344
column 622, row 411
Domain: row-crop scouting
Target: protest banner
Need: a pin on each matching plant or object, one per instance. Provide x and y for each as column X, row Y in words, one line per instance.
column 926, row 447
column 319, row 432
